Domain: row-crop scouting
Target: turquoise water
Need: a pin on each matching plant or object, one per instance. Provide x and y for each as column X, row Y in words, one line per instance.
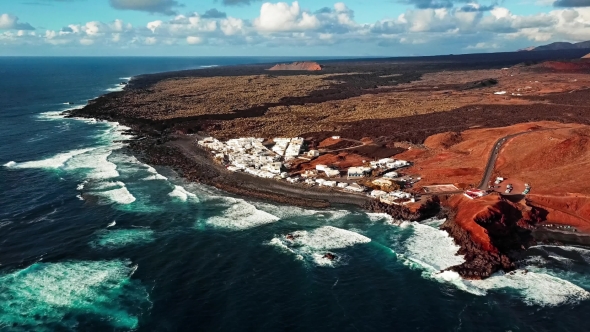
column 91, row 239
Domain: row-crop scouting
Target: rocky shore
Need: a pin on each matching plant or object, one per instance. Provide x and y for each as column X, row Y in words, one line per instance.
column 164, row 111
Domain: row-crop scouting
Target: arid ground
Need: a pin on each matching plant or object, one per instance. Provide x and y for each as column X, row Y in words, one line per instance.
column 445, row 114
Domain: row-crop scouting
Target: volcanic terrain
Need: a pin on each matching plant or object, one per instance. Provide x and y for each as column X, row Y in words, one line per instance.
column 445, row 114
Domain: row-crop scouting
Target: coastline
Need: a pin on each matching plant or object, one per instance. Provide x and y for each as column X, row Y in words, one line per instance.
column 164, row 142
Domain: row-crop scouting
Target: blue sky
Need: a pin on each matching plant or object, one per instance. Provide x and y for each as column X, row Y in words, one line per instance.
column 305, row 27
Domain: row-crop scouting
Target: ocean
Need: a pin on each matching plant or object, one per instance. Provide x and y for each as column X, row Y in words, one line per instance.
column 91, row 239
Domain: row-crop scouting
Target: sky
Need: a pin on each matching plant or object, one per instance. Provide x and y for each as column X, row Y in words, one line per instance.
column 293, row 28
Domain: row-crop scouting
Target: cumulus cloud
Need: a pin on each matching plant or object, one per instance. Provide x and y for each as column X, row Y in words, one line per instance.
column 466, row 26
column 151, row 6
column 284, row 17
column 10, row 22
column 572, row 3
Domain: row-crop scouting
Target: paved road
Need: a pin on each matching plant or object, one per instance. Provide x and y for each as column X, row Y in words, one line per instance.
column 483, row 185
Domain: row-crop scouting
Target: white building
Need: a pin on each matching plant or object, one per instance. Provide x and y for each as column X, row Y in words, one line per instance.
column 273, row 167
column 329, row 184
column 378, row 193
column 313, row 153
column 358, row 172
column 390, row 175
column 331, row 173
column 355, row 188
column 342, row 184
column 321, row 167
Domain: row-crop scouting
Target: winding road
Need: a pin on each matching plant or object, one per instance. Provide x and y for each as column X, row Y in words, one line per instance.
column 483, row 185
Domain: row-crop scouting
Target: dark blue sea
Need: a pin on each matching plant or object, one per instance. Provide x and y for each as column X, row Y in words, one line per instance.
column 91, row 239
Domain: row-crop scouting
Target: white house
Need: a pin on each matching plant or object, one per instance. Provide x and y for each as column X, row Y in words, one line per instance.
column 358, row 172
column 356, row 188
column 332, row 172
column 378, row 193
column 313, row 153
column 321, row 167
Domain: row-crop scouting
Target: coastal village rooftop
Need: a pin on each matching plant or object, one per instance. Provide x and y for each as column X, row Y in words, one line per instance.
column 250, row 155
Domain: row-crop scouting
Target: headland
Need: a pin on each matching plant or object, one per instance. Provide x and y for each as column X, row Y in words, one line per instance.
column 496, row 143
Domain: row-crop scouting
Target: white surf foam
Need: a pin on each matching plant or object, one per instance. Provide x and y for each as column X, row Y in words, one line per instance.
column 182, row 194
column 56, row 161
column 584, row 254
column 118, row 195
column 313, row 245
column 375, row 217
column 534, row 288
column 115, row 88
column 50, row 296
column 154, row 174
column 432, row 250
column 286, row 212
column 241, row 215
column 96, row 163
column 328, row 238
column 125, row 78
column 119, row 238
column 111, row 224
column 52, row 115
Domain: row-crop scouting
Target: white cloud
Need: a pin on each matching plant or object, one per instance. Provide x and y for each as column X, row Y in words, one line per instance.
column 426, row 31
column 194, row 40
column 284, row 17
column 10, row 22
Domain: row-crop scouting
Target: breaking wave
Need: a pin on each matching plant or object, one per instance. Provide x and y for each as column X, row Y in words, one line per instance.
column 311, row 246
column 182, row 194
column 432, row 251
column 59, row 296
column 287, row 212
column 241, row 215
column 56, row 161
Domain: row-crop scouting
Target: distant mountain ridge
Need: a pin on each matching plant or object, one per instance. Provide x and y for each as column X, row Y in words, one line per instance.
column 559, row 46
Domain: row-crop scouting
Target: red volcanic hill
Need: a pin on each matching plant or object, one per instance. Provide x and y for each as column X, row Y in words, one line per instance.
column 309, row 66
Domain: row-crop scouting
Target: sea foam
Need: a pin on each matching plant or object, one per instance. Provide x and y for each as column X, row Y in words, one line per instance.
column 114, row 239
column 311, row 246
column 56, row 161
column 432, row 251
column 241, row 215
column 60, row 296
column 183, row 195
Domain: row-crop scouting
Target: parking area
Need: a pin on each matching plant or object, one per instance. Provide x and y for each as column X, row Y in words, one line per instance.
column 518, row 186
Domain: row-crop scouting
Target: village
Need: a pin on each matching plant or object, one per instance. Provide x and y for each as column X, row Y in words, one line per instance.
column 276, row 159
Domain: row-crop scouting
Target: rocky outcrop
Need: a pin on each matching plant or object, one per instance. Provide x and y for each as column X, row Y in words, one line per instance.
column 309, row 66
column 489, row 231
column 587, row 56
column 431, row 208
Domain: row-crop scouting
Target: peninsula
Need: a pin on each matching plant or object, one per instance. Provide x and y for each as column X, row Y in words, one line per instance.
column 497, row 143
